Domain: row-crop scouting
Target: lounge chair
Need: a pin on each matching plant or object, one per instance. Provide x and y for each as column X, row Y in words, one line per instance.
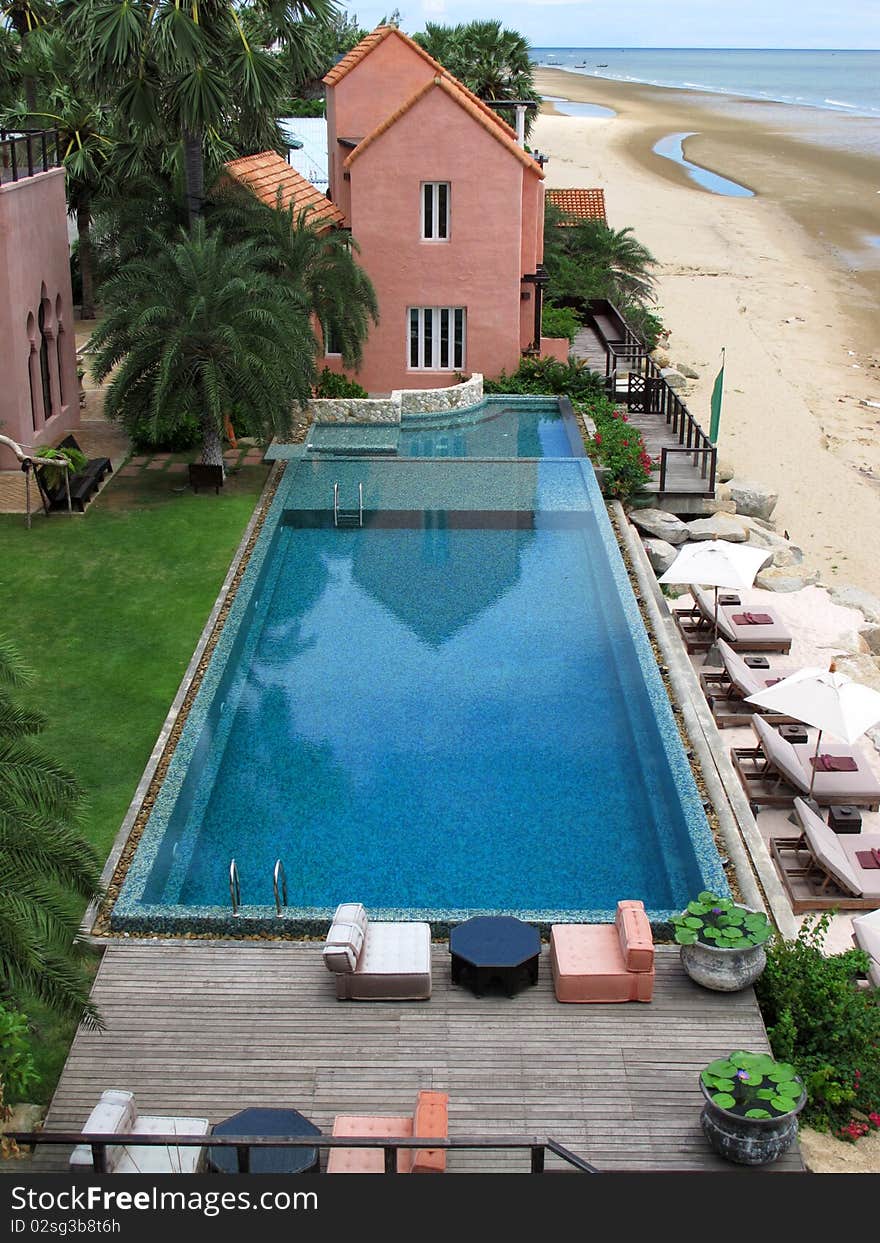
column 776, row 771
column 697, row 626
column 430, row 1120
column 866, row 936
column 377, row 961
column 822, row 871
column 727, row 688
column 604, row 962
column 116, row 1113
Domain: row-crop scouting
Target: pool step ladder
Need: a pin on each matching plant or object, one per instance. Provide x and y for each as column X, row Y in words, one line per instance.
column 348, row 517
column 279, row 886
column 234, row 887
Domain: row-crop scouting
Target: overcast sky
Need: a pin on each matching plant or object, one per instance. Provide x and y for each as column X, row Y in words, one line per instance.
column 654, row 23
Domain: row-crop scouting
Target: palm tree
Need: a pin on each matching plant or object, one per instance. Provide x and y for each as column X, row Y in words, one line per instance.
column 45, row 864
column 317, row 263
column 205, row 71
column 624, row 258
column 197, row 329
column 491, row 60
column 586, row 259
column 26, row 17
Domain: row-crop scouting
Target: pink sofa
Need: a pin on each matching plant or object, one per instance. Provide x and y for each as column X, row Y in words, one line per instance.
column 431, row 1119
column 604, row 962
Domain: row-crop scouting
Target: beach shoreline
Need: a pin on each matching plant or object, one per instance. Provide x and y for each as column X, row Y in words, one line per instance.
column 783, row 281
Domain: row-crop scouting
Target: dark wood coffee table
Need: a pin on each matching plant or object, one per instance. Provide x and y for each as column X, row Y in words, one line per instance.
column 495, row 949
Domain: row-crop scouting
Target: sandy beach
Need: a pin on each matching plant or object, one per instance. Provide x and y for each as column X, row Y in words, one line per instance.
column 787, row 282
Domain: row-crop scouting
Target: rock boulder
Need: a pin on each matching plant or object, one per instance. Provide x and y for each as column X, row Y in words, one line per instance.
column 718, row 526
column 659, row 524
column 673, row 378
column 755, row 500
column 774, row 578
column 855, row 598
column 661, row 554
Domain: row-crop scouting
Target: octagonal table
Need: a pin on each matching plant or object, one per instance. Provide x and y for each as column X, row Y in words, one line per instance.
column 495, row 949
column 261, row 1123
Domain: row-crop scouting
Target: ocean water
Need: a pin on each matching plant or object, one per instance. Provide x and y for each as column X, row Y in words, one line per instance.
column 836, row 81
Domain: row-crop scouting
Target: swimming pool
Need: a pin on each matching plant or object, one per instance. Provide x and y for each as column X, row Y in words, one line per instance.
column 454, row 709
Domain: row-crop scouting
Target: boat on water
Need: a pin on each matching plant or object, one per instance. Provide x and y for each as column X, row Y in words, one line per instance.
column 582, row 65
column 601, row 66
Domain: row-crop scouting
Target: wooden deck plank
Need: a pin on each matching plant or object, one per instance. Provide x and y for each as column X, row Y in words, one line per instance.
column 205, row 1029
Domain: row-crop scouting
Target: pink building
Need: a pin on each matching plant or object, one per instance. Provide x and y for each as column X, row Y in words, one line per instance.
column 39, row 392
column 447, row 209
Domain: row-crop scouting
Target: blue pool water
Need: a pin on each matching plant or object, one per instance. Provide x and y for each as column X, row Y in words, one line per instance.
column 497, row 430
column 454, row 709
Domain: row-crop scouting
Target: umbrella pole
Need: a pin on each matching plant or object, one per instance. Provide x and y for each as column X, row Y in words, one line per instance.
column 716, row 616
column 815, row 756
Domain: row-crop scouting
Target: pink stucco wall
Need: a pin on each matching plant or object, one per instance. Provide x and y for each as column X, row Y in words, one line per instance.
column 555, row 347
column 365, row 97
column 35, row 268
column 478, row 267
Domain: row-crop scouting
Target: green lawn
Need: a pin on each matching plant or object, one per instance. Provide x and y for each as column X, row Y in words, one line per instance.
column 107, row 608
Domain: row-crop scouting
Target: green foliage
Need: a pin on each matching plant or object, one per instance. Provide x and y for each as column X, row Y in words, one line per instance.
column 585, row 260
column 45, row 864
column 54, row 475
column 753, row 1085
column 17, row 1069
column 819, row 1018
column 490, row 59
column 645, row 323
column 332, row 385
column 559, row 321
column 548, row 376
column 720, row 922
column 173, row 434
column 200, row 330
column 297, row 107
column 618, row 447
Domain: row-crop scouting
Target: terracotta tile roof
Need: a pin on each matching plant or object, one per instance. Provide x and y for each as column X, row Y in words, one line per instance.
column 366, row 45
column 453, row 88
column 582, row 204
column 268, row 171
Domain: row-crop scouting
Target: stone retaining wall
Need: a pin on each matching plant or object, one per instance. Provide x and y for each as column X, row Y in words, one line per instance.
column 401, row 401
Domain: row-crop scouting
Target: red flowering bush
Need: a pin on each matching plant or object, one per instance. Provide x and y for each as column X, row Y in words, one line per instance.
column 618, row 446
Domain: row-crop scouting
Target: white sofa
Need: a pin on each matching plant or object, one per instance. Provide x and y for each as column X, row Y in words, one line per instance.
column 116, row 1113
column 377, row 961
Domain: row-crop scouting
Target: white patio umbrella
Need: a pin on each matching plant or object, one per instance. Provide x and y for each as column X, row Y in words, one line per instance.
column 829, row 701
column 716, row 563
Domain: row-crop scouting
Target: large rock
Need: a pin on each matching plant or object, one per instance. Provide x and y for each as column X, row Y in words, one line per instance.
column 755, row 500
column 870, row 636
column 673, row 378
column 720, row 503
column 659, row 524
column 775, row 579
column 785, row 553
column 718, row 526
column 687, row 371
column 724, row 471
column 855, row 598
column 861, row 668
column 661, row 554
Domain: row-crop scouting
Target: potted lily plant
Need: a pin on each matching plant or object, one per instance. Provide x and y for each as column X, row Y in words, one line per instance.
column 722, row 942
column 751, row 1106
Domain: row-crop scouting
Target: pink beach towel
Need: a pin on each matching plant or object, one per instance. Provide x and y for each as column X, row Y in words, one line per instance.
column 752, row 619
column 868, row 858
column 834, row 764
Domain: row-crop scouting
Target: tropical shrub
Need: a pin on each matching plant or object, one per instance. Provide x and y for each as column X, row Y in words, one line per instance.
column 559, row 321
column 820, row 1019
column 618, row 447
column 54, row 475
column 753, row 1085
column 165, row 435
column 546, row 376
column 46, row 865
column 332, row 385
column 720, row 922
column 302, row 107
column 17, row 1069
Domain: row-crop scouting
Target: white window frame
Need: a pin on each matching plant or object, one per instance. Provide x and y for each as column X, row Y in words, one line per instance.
column 431, row 348
column 327, row 335
column 433, row 188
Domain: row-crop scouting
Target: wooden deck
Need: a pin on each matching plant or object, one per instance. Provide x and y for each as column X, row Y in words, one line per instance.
column 683, row 476
column 208, row 1028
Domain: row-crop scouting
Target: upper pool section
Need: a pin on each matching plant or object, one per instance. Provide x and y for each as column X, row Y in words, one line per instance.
column 498, row 428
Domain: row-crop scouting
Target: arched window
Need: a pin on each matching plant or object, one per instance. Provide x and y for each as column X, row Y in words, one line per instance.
column 32, row 370
column 59, row 347
column 44, row 362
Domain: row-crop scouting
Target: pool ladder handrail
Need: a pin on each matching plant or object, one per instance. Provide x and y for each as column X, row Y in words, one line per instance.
column 348, row 517
column 279, row 878
column 234, row 887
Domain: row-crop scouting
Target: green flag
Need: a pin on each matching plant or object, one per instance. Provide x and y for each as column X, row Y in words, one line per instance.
column 715, row 405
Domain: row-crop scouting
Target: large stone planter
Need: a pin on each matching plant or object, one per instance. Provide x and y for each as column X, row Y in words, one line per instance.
column 724, row 970
column 748, row 1141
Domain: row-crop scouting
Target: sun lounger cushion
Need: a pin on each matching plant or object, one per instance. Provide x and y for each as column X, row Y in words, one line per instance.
column 866, row 935
column 636, row 939
column 827, row 849
column 741, row 676
column 728, row 628
column 116, row 1113
column 431, row 1118
column 781, row 754
column 346, row 938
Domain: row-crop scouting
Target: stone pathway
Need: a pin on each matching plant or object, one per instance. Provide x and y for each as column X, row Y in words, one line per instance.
column 177, row 463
